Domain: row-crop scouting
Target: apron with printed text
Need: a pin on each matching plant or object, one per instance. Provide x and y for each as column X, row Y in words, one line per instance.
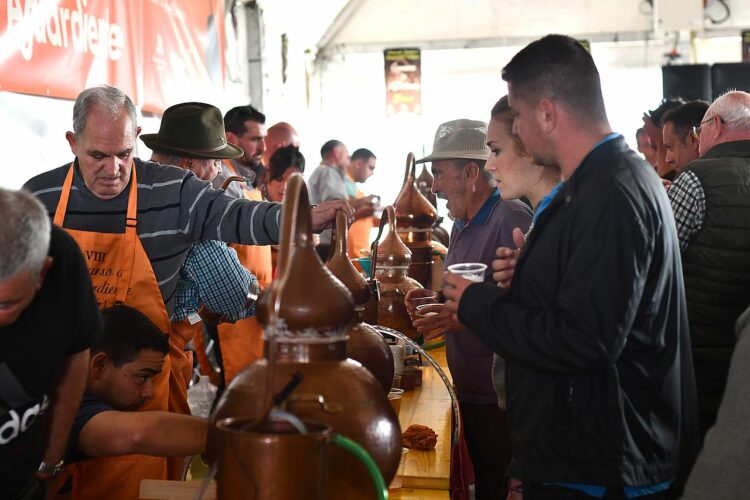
column 121, row 273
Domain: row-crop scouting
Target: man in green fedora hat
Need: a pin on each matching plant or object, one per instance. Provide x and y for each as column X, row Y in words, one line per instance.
column 212, row 279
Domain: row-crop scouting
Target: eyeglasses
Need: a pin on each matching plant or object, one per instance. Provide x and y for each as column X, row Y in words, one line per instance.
column 697, row 128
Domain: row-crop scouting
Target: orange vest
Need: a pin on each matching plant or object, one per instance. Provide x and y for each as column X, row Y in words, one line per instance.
column 121, row 273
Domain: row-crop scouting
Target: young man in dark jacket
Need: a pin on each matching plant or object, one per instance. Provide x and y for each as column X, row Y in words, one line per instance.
column 601, row 393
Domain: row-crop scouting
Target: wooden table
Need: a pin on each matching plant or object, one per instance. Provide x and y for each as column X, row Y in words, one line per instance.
column 430, row 405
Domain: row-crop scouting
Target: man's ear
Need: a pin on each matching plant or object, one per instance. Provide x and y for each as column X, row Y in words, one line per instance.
column 472, row 172
column 71, row 137
column 231, row 137
column 43, row 273
column 99, row 363
column 137, row 131
column 546, row 114
column 693, row 141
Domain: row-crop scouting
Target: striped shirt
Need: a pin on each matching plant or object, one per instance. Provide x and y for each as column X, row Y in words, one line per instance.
column 175, row 209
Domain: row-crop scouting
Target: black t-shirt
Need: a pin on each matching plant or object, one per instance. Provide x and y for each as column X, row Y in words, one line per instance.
column 63, row 319
column 89, row 407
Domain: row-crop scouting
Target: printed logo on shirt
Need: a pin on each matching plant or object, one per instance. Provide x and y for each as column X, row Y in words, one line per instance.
column 18, row 410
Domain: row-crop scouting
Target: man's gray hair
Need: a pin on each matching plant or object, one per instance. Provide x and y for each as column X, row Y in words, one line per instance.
column 24, row 234
column 105, row 98
column 734, row 108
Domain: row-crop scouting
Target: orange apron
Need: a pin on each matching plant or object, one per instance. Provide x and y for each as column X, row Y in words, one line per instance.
column 121, row 273
column 242, row 342
column 359, row 233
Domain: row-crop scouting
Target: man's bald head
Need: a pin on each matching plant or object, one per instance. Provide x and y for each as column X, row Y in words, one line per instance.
column 280, row 135
column 727, row 119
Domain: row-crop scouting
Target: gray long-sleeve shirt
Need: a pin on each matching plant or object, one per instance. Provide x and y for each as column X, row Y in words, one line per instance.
column 326, row 183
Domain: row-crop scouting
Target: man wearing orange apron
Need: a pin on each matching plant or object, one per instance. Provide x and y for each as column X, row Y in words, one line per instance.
column 134, row 222
column 361, row 167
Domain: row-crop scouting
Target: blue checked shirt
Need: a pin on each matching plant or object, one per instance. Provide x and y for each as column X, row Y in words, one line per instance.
column 212, row 276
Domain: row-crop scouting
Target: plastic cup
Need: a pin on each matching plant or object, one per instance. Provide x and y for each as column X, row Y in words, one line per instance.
column 398, row 479
column 428, row 299
column 364, row 263
column 426, row 311
column 394, row 397
column 472, row 271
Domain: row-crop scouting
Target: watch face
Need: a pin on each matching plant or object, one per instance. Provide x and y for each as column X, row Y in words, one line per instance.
column 52, row 469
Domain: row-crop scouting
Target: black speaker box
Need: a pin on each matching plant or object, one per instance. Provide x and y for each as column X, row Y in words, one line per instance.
column 730, row 76
column 689, row 81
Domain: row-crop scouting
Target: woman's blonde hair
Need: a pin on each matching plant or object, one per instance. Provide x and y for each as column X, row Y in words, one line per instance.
column 502, row 113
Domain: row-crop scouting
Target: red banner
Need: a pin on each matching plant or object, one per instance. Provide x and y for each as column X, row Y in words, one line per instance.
column 153, row 50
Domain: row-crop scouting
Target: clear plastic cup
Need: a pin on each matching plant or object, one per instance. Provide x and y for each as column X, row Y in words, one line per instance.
column 426, row 311
column 394, row 397
column 472, row 271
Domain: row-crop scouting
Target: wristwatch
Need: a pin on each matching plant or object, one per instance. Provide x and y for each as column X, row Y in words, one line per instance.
column 51, row 469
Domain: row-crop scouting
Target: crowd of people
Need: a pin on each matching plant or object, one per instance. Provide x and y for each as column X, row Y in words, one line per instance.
column 598, row 359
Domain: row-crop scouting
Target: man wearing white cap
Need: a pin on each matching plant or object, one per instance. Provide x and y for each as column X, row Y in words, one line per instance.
column 482, row 223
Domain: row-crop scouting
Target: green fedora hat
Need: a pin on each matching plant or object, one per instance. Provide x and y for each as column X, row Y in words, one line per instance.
column 192, row 130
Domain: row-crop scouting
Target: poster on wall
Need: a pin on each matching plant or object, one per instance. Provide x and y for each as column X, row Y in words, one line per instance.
column 154, row 50
column 746, row 46
column 403, row 85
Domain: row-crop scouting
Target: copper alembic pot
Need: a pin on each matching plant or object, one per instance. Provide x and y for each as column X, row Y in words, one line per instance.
column 364, row 343
column 416, row 216
column 283, row 446
column 306, row 313
column 390, row 266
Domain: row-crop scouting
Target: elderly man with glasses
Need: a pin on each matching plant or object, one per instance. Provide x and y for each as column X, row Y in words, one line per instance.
column 711, row 203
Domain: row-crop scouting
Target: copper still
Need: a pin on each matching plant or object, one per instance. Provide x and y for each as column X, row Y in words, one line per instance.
column 424, row 184
column 390, row 266
column 364, row 343
column 416, row 216
column 307, row 311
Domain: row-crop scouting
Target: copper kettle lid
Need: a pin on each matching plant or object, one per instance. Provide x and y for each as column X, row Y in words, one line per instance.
column 412, row 208
column 391, row 251
column 341, row 266
column 293, row 308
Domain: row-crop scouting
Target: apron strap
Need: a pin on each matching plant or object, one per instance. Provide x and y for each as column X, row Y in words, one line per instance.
column 62, row 205
column 131, row 222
